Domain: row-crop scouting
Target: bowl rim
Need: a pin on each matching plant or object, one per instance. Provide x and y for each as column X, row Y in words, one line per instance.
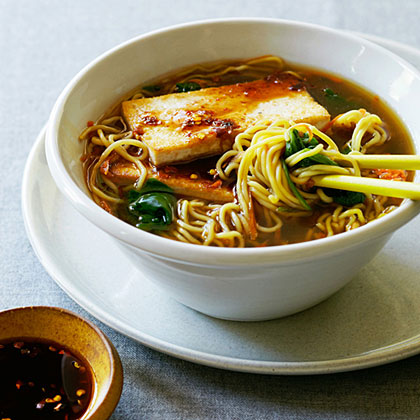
column 197, row 254
column 114, row 384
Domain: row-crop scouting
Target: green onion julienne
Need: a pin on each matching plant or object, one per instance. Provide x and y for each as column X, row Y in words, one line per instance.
column 292, row 186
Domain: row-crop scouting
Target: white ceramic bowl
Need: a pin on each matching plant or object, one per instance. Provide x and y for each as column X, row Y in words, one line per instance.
column 239, row 284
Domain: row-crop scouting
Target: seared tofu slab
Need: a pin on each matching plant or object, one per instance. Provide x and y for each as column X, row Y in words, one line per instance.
column 182, row 127
column 182, row 181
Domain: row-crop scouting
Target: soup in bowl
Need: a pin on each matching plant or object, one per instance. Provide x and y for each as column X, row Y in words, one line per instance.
column 204, row 158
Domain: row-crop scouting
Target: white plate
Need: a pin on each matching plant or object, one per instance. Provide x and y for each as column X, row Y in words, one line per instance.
column 373, row 320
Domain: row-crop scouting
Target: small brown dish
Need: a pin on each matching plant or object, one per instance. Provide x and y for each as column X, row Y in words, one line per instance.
column 49, row 336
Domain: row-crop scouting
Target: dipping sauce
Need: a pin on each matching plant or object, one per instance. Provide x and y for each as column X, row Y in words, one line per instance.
column 42, row 380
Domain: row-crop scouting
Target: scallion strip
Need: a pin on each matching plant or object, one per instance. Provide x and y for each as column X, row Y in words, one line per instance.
column 292, row 186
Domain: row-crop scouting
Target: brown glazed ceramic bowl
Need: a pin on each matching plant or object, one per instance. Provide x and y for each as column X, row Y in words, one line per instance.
column 83, row 339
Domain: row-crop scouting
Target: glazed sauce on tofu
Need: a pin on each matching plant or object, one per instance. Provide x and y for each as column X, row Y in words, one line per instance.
column 42, row 380
column 200, row 169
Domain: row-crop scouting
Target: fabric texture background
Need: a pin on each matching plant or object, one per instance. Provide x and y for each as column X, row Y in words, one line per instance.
column 42, row 45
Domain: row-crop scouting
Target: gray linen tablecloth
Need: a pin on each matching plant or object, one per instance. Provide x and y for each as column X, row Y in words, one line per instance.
column 42, row 45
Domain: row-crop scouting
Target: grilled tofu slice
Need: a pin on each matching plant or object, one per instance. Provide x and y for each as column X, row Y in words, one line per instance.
column 122, row 172
column 182, row 127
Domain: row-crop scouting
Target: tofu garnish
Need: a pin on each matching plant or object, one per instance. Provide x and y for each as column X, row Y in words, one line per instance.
column 182, row 127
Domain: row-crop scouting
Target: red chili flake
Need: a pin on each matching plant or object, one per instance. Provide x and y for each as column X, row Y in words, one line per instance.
column 105, row 167
column 90, row 123
column 61, row 352
column 163, row 175
column 51, row 348
column 1, row 346
column 105, row 206
column 18, row 344
column 170, row 169
column 262, row 244
column 31, row 384
column 19, row 384
column 309, row 184
column 150, row 120
column 216, row 184
column 390, row 174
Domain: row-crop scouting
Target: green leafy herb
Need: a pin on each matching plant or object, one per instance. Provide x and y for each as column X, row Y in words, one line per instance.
column 154, row 211
column 315, row 159
column 292, row 186
column 152, row 88
column 346, row 150
column 339, row 103
column 299, row 143
column 153, row 206
column 329, row 93
column 187, row 87
column 345, row 198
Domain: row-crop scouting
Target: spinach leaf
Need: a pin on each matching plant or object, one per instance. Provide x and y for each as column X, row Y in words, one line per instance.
column 345, row 198
column 302, row 143
column 338, row 102
column 297, row 143
column 153, row 206
column 187, row 87
column 154, row 211
column 152, row 88
column 317, row 159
